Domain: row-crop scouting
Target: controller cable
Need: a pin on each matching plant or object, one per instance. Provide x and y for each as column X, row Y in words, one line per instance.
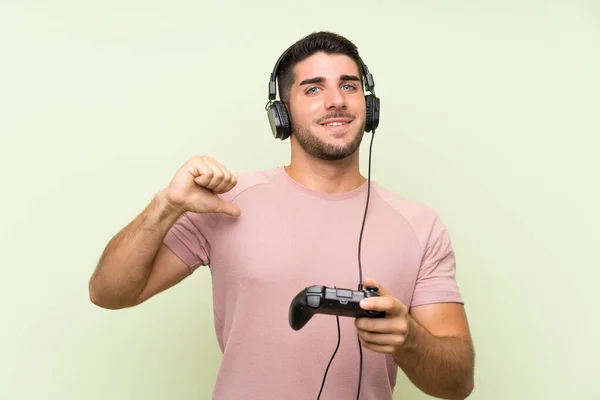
column 360, row 285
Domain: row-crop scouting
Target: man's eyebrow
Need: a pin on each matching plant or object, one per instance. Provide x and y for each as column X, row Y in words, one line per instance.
column 319, row 79
column 310, row 81
column 344, row 78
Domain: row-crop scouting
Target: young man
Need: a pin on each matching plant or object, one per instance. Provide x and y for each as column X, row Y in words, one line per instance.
column 267, row 235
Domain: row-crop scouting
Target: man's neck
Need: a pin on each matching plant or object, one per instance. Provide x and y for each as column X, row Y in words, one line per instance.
column 326, row 176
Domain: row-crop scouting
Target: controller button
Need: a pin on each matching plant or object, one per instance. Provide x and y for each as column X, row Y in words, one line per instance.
column 313, row 301
column 344, row 293
column 313, row 289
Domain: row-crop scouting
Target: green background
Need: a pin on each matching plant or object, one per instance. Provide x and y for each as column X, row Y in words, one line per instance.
column 490, row 114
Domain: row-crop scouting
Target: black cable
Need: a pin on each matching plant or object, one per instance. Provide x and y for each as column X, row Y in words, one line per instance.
column 360, row 285
column 360, row 370
column 362, row 228
column 336, row 349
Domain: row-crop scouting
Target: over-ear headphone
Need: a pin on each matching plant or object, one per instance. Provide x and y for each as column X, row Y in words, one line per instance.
column 278, row 114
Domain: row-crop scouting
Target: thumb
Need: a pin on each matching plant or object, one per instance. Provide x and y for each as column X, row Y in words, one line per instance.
column 228, row 208
column 373, row 282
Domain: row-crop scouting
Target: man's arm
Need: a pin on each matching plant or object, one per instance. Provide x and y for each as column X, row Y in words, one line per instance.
column 438, row 355
column 135, row 264
column 431, row 343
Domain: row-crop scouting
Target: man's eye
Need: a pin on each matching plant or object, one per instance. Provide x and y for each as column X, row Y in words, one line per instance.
column 312, row 90
column 349, row 87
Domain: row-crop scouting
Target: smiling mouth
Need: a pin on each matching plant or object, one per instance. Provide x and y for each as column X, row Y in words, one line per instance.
column 337, row 128
column 333, row 122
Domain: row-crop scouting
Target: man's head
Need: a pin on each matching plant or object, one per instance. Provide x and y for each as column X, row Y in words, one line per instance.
column 321, row 83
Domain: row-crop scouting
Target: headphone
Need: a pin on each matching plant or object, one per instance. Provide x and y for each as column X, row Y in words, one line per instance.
column 278, row 114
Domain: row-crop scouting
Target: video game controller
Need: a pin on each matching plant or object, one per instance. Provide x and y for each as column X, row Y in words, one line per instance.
column 332, row 301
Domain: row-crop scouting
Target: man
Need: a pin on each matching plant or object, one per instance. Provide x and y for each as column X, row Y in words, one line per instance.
column 269, row 234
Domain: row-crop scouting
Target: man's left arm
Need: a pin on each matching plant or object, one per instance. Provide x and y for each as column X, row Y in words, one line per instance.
column 431, row 343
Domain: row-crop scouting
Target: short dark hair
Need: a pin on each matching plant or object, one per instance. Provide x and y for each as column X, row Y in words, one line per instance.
column 323, row 41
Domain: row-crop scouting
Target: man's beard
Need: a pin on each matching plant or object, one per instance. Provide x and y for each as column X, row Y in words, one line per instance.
column 317, row 148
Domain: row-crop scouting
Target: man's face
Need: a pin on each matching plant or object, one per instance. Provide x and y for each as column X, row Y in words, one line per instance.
column 327, row 106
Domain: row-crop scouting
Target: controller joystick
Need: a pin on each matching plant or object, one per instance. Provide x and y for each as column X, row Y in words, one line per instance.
column 319, row 299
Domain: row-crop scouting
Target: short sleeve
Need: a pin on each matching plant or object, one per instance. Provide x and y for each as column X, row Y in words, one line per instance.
column 436, row 280
column 189, row 238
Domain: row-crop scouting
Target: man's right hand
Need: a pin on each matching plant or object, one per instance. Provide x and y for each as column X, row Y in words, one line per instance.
column 195, row 187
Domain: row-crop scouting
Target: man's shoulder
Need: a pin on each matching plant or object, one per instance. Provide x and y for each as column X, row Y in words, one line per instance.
column 422, row 217
column 404, row 205
column 247, row 180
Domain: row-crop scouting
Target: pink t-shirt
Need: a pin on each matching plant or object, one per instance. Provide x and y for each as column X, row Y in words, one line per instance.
column 289, row 237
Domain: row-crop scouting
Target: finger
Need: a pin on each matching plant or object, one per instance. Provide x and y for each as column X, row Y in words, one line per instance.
column 382, row 339
column 202, row 172
column 388, row 304
column 384, row 349
column 222, row 178
column 377, row 325
column 231, row 184
column 218, row 176
column 373, row 282
column 228, row 208
column 225, row 182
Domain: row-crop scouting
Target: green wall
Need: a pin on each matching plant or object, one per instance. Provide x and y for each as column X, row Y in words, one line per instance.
column 490, row 114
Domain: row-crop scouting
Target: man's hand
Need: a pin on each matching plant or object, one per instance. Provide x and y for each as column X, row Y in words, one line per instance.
column 383, row 335
column 197, row 185
column 439, row 364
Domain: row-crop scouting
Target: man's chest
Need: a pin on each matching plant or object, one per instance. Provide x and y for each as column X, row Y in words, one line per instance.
column 287, row 250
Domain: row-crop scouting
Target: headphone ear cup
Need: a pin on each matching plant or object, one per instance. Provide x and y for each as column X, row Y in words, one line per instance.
column 372, row 117
column 286, row 126
column 279, row 120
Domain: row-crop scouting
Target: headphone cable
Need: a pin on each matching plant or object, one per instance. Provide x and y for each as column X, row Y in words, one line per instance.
column 362, row 228
column 332, row 356
column 360, row 286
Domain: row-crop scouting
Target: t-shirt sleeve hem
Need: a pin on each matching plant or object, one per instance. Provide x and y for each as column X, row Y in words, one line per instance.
column 178, row 248
column 437, row 297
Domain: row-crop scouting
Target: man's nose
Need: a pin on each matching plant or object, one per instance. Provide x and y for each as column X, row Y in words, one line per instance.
column 335, row 99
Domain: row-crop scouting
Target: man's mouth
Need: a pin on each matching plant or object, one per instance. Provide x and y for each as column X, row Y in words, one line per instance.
column 336, row 122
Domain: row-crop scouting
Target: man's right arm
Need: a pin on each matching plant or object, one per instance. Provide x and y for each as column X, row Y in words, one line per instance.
column 136, row 265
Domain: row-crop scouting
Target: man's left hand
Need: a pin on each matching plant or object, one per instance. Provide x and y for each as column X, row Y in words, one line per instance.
column 383, row 335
